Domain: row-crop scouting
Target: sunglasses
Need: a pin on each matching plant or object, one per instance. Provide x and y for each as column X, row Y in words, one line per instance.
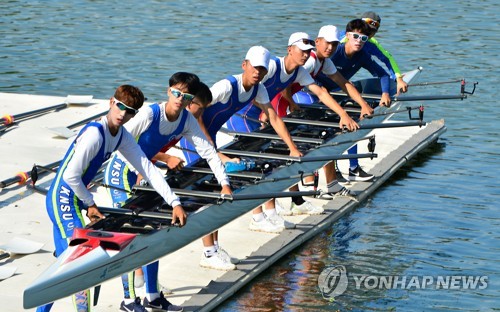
column 371, row 22
column 356, row 36
column 124, row 107
column 185, row 96
column 305, row 41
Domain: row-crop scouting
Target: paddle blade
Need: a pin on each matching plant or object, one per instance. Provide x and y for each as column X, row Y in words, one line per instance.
column 23, row 246
column 6, row 272
column 78, row 99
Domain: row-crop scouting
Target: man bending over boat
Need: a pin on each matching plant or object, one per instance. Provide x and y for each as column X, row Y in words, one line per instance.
column 283, row 72
column 232, row 94
column 349, row 57
column 157, row 128
column 319, row 62
column 68, row 193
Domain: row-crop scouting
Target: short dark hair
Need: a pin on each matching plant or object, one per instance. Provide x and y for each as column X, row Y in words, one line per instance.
column 204, row 94
column 358, row 24
column 191, row 81
column 130, row 95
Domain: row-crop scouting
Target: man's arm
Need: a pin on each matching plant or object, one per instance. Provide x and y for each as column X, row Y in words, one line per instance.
column 326, row 98
column 351, row 90
column 279, row 126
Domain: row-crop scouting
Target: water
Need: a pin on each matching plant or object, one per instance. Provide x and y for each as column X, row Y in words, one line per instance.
column 437, row 216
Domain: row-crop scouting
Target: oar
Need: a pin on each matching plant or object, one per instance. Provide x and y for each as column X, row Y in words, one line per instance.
column 70, row 99
column 270, row 136
column 67, row 132
column 20, row 246
column 22, row 177
column 409, row 98
column 367, row 126
column 294, row 158
column 231, row 197
column 420, row 84
column 17, row 245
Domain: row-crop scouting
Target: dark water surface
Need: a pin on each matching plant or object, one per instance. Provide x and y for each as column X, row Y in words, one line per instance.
column 437, row 217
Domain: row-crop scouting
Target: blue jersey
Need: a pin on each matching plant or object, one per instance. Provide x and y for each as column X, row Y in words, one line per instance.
column 63, row 206
column 151, row 141
column 273, row 85
column 216, row 115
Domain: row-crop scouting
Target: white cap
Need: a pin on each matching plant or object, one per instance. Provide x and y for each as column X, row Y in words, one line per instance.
column 258, row 56
column 302, row 40
column 329, row 33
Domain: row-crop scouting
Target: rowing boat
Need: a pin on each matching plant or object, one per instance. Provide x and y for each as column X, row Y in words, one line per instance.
column 109, row 249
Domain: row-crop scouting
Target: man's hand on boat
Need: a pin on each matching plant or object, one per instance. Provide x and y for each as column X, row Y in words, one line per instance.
column 295, row 152
column 366, row 110
column 226, row 189
column 385, row 100
column 346, row 122
column 94, row 214
column 179, row 216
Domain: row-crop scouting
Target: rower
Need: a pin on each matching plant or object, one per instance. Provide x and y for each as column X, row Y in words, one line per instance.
column 232, row 94
column 349, row 57
column 156, row 128
column 68, row 193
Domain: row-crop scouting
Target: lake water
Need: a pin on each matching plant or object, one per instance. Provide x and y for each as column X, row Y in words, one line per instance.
column 436, row 217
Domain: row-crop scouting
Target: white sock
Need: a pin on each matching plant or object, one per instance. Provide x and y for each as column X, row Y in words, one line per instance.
column 333, row 187
column 209, row 251
column 270, row 212
column 216, row 244
column 128, row 300
column 258, row 217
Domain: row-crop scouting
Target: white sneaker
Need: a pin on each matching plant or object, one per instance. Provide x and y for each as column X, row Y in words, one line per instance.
column 282, row 211
column 278, row 220
column 224, row 254
column 306, row 208
column 217, row 261
column 265, row 225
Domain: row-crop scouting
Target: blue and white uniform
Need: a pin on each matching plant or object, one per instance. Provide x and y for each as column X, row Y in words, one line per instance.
column 275, row 81
column 229, row 96
column 350, row 66
column 153, row 131
column 68, row 193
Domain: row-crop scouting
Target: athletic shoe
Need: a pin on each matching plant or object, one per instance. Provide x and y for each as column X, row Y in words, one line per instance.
column 135, row 306
column 359, row 175
column 341, row 178
column 278, row 220
column 306, row 208
column 161, row 304
column 343, row 192
column 266, row 225
column 282, row 211
column 218, row 261
column 224, row 253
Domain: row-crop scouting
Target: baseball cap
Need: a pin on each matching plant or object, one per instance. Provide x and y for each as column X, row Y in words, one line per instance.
column 258, row 56
column 301, row 40
column 372, row 16
column 329, row 33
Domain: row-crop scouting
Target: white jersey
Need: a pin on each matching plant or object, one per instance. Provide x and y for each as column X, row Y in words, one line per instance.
column 86, row 148
column 221, row 91
column 191, row 131
column 303, row 76
column 313, row 65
